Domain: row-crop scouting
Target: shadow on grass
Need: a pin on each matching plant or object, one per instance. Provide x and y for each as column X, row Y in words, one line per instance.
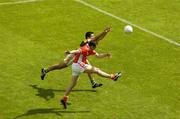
column 55, row 111
column 48, row 94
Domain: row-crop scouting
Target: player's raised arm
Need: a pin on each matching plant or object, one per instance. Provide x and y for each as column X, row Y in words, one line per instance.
column 101, row 35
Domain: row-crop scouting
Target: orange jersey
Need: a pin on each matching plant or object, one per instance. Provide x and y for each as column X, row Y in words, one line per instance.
column 84, row 52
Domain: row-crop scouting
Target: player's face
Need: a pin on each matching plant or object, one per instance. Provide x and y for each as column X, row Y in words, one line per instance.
column 92, row 36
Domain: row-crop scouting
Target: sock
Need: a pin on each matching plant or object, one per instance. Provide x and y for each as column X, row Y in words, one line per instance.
column 65, row 98
column 46, row 70
column 93, row 81
column 112, row 76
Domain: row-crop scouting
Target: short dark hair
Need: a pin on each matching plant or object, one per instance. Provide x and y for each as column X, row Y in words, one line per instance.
column 88, row 34
column 92, row 43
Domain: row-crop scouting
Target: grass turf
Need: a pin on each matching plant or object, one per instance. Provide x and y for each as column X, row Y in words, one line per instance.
column 36, row 34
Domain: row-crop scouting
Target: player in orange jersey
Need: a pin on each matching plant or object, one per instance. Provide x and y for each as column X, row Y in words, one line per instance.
column 80, row 65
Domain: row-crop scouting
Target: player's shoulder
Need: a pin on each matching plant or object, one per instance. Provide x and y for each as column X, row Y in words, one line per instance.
column 84, row 42
column 85, row 47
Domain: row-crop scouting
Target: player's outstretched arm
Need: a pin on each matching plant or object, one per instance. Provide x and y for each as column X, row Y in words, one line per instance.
column 102, row 55
column 101, row 35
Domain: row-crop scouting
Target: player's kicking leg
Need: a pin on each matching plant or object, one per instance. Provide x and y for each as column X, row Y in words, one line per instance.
column 91, row 69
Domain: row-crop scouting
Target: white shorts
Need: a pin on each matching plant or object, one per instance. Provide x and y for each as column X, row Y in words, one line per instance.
column 78, row 68
column 68, row 60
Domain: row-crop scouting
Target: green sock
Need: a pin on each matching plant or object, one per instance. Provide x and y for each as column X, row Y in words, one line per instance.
column 93, row 81
column 46, row 70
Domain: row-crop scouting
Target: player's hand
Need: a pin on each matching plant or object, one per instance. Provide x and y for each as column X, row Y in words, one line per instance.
column 109, row 55
column 67, row 52
column 107, row 29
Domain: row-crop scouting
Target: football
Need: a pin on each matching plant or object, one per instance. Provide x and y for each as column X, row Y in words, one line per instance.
column 128, row 29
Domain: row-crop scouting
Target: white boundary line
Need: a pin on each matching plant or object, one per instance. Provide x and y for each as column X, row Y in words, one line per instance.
column 128, row 22
column 18, row 2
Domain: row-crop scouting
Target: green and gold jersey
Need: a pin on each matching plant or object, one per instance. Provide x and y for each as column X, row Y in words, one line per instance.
column 84, row 42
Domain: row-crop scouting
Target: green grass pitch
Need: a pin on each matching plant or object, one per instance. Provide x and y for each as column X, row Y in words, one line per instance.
column 36, row 34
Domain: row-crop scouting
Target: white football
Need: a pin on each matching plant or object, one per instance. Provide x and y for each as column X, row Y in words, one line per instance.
column 128, row 29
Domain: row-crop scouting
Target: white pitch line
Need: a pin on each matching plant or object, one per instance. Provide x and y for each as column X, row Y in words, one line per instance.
column 18, row 2
column 128, row 22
